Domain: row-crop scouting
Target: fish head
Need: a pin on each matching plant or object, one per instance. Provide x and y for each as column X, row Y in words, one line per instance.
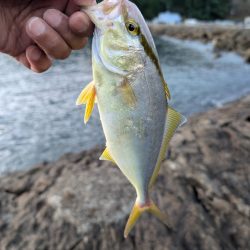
column 105, row 13
column 121, row 32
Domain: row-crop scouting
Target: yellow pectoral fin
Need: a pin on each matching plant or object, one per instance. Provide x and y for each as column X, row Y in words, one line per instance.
column 167, row 91
column 127, row 93
column 174, row 121
column 106, row 156
column 88, row 97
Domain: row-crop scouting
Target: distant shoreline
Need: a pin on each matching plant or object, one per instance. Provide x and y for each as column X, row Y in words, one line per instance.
column 223, row 38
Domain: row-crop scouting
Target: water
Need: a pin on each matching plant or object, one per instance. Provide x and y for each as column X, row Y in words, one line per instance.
column 40, row 122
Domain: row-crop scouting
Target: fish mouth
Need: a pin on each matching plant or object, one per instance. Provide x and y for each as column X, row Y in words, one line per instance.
column 104, row 13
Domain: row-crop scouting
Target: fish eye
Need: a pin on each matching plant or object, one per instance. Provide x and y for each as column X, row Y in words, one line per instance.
column 132, row 27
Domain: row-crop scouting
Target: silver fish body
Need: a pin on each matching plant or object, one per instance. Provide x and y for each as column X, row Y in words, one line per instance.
column 132, row 98
column 134, row 133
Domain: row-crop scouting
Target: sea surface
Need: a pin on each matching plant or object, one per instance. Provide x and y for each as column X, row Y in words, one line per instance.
column 39, row 121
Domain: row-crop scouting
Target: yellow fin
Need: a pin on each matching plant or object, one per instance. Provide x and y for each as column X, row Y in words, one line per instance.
column 134, row 216
column 89, row 105
column 163, row 217
column 106, row 156
column 88, row 97
column 167, row 91
column 83, row 97
column 174, row 121
column 138, row 210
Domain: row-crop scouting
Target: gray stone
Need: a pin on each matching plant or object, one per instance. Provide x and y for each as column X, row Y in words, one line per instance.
column 80, row 203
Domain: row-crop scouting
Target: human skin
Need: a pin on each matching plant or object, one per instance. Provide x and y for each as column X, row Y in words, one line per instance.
column 36, row 32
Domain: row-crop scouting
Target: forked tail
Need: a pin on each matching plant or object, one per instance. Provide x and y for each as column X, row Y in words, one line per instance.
column 138, row 210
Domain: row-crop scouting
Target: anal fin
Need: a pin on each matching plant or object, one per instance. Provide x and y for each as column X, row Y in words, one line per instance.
column 87, row 97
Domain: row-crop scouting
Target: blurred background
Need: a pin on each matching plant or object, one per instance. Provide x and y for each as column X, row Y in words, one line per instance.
column 203, row 10
column 55, row 194
column 39, row 121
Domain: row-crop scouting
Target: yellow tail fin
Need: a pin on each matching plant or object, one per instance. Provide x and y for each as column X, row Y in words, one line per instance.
column 138, row 210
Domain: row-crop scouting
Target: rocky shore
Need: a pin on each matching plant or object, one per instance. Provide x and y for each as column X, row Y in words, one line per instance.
column 80, row 202
column 223, row 38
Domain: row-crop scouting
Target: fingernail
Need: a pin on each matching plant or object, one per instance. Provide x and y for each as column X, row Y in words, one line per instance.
column 81, row 27
column 36, row 26
column 53, row 18
column 79, row 23
column 36, row 54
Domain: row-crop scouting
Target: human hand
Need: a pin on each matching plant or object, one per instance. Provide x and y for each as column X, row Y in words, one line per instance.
column 38, row 31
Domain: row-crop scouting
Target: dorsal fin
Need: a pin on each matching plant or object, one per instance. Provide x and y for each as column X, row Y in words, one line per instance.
column 168, row 95
column 174, row 121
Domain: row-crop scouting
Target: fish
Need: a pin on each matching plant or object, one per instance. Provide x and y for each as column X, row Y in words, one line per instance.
column 133, row 100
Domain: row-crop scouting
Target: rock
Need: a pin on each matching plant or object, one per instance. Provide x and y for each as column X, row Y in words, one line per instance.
column 247, row 56
column 247, row 22
column 223, row 38
column 80, row 202
column 191, row 21
column 168, row 18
